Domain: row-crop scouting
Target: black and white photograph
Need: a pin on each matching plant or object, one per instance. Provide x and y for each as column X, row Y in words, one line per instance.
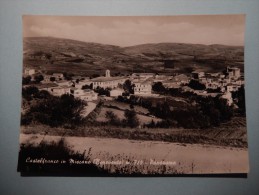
column 133, row 95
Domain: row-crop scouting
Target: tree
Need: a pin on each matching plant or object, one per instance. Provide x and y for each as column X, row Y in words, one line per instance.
column 158, row 87
column 26, row 80
column 128, row 86
column 102, row 91
column 48, row 56
column 68, row 76
column 112, row 118
column 194, row 84
column 120, row 98
column 57, row 111
column 52, row 79
column 151, row 124
column 29, row 92
column 87, row 86
column 240, row 97
column 38, row 78
column 131, row 118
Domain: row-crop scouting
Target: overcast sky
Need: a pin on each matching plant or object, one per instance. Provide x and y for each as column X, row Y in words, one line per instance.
column 133, row 30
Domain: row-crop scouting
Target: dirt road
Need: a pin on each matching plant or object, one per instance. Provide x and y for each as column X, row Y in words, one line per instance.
column 187, row 158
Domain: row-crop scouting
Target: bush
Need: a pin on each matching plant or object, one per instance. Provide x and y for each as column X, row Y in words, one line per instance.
column 131, row 118
column 112, row 118
column 57, row 111
column 56, row 151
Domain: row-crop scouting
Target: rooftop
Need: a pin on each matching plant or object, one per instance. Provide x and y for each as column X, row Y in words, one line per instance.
column 103, row 79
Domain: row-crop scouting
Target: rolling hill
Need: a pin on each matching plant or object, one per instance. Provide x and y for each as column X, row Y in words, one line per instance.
column 84, row 58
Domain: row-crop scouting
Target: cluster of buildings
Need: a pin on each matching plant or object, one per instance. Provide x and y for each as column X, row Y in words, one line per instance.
column 225, row 83
column 229, row 81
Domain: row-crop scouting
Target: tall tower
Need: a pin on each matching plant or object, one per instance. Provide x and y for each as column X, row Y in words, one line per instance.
column 107, row 73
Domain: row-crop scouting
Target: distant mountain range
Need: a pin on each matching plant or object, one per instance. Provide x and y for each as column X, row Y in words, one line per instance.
column 85, row 58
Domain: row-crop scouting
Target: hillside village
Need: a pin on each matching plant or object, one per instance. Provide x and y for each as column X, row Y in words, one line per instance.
column 85, row 88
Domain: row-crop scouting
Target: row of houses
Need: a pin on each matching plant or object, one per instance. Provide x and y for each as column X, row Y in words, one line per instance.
column 228, row 82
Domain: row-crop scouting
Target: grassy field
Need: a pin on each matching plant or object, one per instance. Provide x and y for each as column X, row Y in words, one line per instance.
column 118, row 109
column 227, row 135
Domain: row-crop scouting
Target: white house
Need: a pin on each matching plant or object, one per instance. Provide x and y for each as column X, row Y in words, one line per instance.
column 228, row 97
column 29, row 71
column 85, row 94
column 58, row 91
column 143, row 88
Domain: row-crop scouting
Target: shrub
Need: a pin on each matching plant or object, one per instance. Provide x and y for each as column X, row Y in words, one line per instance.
column 56, row 151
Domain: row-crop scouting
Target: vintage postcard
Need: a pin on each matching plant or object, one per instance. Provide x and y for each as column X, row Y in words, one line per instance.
column 133, row 95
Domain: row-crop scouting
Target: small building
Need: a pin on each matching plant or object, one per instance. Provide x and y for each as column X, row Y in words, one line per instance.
column 29, row 71
column 84, row 94
column 59, row 91
column 227, row 95
column 233, row 72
